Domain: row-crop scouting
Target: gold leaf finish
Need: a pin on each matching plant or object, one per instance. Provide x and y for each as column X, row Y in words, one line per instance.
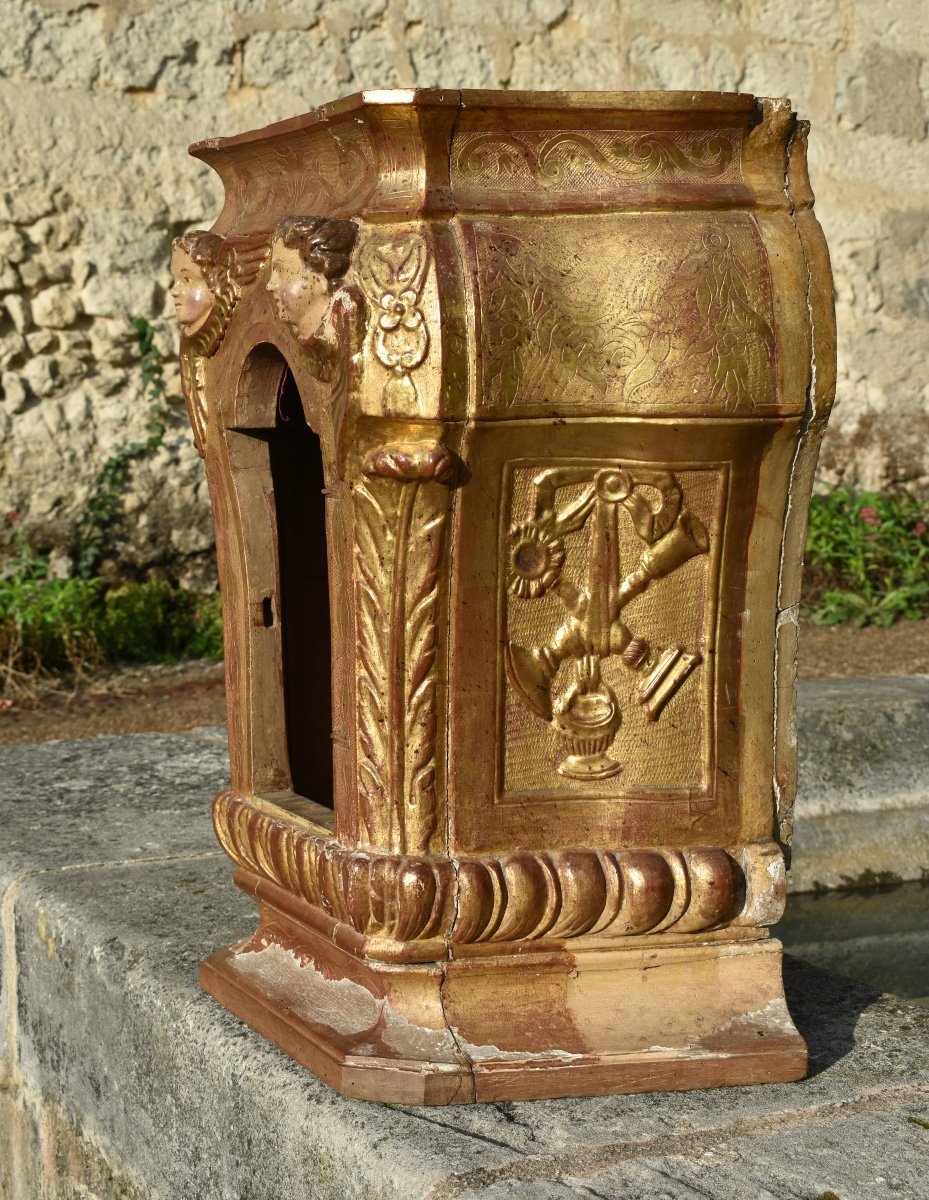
column 585, row 715
column 692, row 332
column 553, row 160
column 401, row 512
column 521, row 897
column 510, row 447
column 393, row 271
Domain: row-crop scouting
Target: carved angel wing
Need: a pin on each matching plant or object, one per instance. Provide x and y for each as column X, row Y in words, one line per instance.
column 242, row 261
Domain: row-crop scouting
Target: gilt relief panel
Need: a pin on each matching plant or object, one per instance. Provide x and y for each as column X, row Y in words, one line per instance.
column 608, row 601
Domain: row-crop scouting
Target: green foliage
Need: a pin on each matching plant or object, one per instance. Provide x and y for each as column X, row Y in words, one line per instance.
column 867, row 558
column 45, row 622
column 145, row 622
column 71, row 624
column 206, row 639
column 105, row 501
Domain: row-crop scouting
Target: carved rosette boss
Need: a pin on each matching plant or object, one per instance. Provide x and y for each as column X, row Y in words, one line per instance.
column 510, row 405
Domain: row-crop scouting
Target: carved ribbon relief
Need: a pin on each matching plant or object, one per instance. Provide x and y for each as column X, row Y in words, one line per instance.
column 585, row 713
column 393, row 271
column 401, row 510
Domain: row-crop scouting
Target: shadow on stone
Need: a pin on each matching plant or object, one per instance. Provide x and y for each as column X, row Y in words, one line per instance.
column 825, row 1017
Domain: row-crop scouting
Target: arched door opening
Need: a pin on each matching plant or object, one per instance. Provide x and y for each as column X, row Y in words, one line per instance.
column 297, row 481
column 277, row 465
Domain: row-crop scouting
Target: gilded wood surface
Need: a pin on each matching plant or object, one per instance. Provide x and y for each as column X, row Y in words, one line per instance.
column 558, row 354
column 515, row 897
column 235, row 267
column 564, row 666
column 401, row 511
column 680, row 322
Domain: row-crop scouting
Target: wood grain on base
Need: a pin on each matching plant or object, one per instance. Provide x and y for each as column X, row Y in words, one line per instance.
column 615, row 1023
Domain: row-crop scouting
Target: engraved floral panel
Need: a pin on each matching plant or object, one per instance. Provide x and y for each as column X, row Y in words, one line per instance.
column 648, row 310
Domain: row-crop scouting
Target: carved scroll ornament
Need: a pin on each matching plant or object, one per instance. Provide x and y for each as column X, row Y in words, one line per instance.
column 550, row 159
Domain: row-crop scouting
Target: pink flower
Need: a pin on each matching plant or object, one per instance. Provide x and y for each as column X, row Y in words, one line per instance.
column 919, row 528
column 869, row 516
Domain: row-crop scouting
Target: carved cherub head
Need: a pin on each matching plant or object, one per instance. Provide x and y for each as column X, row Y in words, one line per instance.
column 309, row 258
column 193, row 264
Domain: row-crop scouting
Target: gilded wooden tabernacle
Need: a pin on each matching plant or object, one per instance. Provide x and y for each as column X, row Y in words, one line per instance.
column 510, row 404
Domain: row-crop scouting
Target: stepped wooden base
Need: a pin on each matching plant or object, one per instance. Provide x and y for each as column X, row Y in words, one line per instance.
column 514, row 1027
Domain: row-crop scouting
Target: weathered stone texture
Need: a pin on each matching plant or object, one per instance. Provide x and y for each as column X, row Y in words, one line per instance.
column 98, row 101
column 120, row 1078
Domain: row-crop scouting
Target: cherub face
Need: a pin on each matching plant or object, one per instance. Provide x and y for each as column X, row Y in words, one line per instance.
column 300, row 293
column 193, row 297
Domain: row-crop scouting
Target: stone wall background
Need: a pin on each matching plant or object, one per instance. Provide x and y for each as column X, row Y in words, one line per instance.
column 98, row 102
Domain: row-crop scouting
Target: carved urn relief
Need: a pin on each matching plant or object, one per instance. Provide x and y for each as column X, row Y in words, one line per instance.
column 510, row 404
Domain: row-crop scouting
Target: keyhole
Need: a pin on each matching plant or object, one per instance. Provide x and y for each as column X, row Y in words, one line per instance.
column 267, row 612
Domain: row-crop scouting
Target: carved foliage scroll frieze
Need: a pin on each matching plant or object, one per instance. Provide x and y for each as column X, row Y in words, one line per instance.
column 552, row 160
column 392, row 271
column 401, row 512
column 523, row 896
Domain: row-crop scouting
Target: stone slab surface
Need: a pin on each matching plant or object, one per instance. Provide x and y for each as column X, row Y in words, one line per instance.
column 108, row 799
column 863, row 743
column 119, row 1077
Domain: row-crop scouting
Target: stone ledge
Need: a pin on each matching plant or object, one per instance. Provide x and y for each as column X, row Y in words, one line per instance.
column 863, row 792
column 119, row 1077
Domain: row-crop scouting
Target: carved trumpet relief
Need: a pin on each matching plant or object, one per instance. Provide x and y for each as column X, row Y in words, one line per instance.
column 583, row 545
